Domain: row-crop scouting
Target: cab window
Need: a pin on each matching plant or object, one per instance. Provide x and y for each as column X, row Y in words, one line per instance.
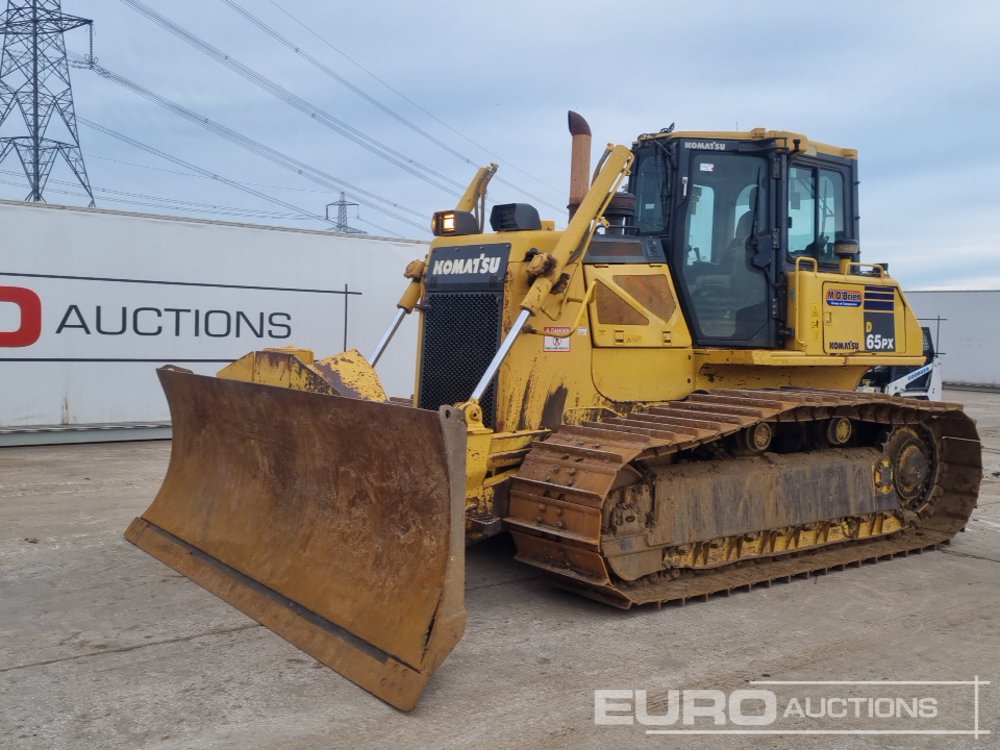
column 650, row 187
column 700, row 226
column 816, row 211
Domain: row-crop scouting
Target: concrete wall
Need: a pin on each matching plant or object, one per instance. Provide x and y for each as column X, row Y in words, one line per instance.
column 970, row 333
column 92, row 301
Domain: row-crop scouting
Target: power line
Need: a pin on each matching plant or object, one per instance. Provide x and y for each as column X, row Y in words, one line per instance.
column 364, row 197
column 150, row 167
column 126, row 163
column 428, row 175
column 381, row 229
column 274, row 34
column 405, row 98
column 190, row 207
column 155, row 201
column 199, row 171
column 176, row 202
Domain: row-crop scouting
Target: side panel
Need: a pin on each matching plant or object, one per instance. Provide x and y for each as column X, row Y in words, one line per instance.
column 718, row 374
column 850, row 315
column 643, row 375
column 635, row 306
column 642, row 344
column 863, row 317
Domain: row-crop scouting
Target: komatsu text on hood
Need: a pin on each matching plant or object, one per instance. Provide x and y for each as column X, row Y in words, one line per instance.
column 470, row 266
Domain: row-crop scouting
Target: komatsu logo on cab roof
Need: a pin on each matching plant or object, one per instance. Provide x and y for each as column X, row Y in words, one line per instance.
column 705, row 145
column 843, row 297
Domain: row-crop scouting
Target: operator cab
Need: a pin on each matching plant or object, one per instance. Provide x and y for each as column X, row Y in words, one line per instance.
column 733, row 212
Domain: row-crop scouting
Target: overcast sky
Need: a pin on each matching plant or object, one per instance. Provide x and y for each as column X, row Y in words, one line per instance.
column 914, row 86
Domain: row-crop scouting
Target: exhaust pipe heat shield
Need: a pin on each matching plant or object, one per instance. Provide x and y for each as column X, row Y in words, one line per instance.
column 336, row 522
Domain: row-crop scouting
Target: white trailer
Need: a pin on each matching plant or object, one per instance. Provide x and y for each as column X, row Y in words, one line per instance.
column 93, row 301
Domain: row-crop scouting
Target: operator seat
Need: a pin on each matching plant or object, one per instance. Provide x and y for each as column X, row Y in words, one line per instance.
column 746, row 285
column 744, row 226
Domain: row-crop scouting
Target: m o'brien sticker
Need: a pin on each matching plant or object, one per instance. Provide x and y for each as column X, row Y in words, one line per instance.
column 843, row 297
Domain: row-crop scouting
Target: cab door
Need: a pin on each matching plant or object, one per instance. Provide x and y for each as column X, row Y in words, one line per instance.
column 723, row 244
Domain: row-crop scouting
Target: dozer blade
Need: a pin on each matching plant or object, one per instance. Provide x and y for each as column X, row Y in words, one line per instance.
column 336, row 522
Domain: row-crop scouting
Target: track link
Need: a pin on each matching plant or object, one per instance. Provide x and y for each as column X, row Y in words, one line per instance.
column 571, row 482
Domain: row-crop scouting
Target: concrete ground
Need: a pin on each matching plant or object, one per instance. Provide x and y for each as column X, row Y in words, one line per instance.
column 101, row 646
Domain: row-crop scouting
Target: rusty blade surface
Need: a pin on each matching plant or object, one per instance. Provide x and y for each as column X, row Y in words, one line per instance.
column 336, row 522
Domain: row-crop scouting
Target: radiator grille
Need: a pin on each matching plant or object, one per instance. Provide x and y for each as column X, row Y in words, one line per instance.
column 461, row 335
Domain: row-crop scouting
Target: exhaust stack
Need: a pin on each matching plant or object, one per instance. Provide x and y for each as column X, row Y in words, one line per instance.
column 579, row 174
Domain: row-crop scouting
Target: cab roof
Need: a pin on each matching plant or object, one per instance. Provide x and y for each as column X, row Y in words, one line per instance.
column 784, row 139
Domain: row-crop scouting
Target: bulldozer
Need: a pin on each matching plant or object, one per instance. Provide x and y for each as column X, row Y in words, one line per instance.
column 658, row 403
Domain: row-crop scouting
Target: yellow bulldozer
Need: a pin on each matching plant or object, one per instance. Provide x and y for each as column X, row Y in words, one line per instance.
column 657, row 402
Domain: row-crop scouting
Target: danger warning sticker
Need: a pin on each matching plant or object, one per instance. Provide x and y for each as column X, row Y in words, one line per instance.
column 558, row 342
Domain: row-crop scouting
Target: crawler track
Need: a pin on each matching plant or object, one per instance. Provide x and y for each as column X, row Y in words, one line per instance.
column 591, row 506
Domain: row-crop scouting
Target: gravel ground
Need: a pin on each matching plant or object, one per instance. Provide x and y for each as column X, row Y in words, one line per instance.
column 101, row 646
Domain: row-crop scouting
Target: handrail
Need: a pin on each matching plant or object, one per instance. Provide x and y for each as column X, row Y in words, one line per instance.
column 800, row 258
column 474, row 198
column 587, row 296
column 882, row 273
